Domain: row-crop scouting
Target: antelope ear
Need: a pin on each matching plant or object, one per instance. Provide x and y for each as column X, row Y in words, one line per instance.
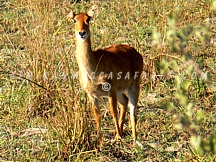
column 71, row 15
column 92, row 10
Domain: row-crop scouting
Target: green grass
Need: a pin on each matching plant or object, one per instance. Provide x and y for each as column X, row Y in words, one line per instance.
column 176, row 114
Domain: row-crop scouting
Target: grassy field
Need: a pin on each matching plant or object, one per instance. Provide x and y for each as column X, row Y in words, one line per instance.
column 45, row 115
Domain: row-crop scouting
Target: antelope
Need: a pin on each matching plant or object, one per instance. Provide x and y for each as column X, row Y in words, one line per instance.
column 112, row 72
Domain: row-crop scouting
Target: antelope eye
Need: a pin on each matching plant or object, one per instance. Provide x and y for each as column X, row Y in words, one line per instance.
column 74, row 20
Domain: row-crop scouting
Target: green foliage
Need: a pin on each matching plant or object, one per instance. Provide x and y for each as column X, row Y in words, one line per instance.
column 189, row 81
column 190, row 120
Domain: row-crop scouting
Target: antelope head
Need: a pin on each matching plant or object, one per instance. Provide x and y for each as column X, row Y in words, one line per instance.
column 82, row 21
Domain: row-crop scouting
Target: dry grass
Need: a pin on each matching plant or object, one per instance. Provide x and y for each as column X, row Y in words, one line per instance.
column 38, row 89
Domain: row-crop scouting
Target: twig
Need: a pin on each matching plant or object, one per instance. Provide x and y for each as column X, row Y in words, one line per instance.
column 9, row 73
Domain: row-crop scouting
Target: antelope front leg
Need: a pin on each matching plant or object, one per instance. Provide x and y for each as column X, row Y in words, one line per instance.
column 97, row 115
column 114, row 113
column 96, row 111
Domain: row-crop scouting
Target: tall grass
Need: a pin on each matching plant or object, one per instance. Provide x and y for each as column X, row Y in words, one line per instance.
column 39, row 87
column 40, row 65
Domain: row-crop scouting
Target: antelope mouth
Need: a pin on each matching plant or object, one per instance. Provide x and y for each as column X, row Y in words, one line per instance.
column 83, row 34
column 82, row 37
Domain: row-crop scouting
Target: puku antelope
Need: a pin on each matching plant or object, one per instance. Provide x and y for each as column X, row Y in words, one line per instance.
column 116, row 72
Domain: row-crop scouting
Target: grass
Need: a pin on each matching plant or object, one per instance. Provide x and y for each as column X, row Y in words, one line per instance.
column 38, row 89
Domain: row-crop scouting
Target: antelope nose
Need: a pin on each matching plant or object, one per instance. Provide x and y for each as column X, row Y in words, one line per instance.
column 82, row 34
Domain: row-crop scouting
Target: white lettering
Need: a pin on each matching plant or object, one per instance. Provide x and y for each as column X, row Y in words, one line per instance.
column 127, row 76
column 204, row 76
column 169, row 75
column 153, row 76
column 75, row 75
column 144, row 75
column 119, row 75
column 183, row 75
column 92, row 76
column 193, row 76
column 136, row 75
column 110, row 76
column 101, row 75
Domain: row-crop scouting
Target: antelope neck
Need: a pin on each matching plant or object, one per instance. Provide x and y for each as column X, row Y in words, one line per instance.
column 85, row 56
